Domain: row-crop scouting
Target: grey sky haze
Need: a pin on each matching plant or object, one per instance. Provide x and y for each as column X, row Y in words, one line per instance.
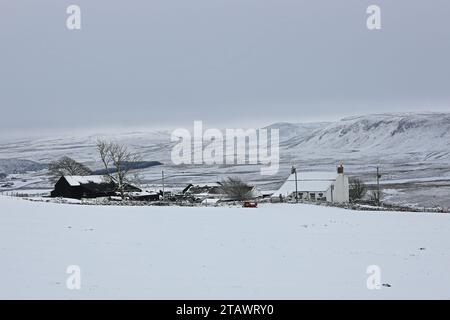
column 166, row 63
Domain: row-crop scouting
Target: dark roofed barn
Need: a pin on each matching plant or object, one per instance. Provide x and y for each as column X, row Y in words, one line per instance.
column 77, row 187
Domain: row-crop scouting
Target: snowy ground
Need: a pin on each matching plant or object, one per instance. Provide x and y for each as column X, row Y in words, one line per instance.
column 277, row 251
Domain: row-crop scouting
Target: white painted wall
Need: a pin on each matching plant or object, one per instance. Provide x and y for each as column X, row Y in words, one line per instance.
column 340, row 190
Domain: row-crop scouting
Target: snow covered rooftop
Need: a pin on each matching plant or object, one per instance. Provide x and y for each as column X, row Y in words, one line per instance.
column 204, row 185
column 79, row 180
column 142, row 193
column 307, row 181
column 314, row 175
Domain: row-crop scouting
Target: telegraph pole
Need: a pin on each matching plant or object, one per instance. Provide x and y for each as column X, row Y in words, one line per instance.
column 294, row 170
column 378, row 186
column 163, row 194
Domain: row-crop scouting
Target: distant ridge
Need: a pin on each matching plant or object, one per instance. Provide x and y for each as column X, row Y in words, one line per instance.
column 388, row 137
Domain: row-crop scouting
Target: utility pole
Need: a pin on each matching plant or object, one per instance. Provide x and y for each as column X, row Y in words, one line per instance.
column 378, row 186
column 163, row 193
column 294, row 170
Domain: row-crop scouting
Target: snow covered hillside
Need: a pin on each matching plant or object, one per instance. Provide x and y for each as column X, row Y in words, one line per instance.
column 272, row 252
column 384, row 137
column 388, row 137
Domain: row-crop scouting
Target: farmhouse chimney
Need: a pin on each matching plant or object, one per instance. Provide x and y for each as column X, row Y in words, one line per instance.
column 340, row 169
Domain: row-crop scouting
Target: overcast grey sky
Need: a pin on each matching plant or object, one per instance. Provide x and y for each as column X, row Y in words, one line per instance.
column 158, row 63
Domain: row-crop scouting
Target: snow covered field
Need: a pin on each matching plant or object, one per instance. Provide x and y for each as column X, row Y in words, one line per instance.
column 277, row 251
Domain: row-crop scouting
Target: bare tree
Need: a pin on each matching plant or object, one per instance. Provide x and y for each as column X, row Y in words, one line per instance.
column 376, row 197
column 103, row 149
column 66, row 166
column 357, row 189
column 118, row 162
column 236, row 189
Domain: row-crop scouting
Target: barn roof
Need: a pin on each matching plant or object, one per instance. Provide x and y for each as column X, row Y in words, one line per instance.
column 307, row 181
column 79, row 180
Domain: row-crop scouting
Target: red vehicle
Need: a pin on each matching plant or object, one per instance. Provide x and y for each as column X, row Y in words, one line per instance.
column 250, row 204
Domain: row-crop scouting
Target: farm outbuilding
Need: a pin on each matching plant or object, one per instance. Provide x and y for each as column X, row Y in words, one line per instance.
column 78, row 187
column 215, row 191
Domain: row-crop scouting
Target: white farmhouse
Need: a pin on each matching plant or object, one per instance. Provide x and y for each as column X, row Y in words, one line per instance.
column 320, row 186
